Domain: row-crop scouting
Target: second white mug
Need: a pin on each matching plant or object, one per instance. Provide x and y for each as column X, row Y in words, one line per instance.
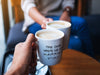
column 64, row 26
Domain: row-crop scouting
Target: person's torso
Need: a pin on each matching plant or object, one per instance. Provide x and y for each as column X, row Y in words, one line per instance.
column 49, row 7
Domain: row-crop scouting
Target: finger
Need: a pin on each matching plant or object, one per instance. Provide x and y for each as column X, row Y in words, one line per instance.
column 43, row 26
column 30, row 38
column 33, row 45
column 50, row 19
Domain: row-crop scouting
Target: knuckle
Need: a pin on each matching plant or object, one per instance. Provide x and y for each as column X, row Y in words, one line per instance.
column 19, row 44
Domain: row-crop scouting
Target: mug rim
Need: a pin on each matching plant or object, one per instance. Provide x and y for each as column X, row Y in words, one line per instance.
column 66, row 22
column 49, row 30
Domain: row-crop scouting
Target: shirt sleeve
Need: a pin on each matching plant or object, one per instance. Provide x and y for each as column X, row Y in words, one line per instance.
column 68, row 3
column 27, row 4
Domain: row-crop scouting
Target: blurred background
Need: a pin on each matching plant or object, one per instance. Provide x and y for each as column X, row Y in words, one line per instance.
column 11, row 14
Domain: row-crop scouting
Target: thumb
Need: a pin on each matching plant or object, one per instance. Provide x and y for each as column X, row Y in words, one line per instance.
column 30, row 38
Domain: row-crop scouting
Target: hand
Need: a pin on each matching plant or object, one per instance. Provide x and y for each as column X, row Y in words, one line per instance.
column 65, row 17
column 23, row 57
column 46, row 21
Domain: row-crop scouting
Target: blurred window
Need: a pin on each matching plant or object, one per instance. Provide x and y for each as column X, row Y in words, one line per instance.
column 2, row 38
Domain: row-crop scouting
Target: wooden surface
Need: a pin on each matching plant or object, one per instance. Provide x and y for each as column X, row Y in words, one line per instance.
column 5, row 17
column 79, row 8
column 76, row 63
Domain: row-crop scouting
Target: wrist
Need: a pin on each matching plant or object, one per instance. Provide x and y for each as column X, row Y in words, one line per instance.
column 12, row 71
column 68, row 10
column 42, row 20
column 65, row 16
column 16, row 70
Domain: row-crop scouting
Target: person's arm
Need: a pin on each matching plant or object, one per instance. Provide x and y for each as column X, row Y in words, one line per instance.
column 15, row 71
column 24, row 57
column 66, row 14
column 38, row 17
column 67, row 6
column 29, row 8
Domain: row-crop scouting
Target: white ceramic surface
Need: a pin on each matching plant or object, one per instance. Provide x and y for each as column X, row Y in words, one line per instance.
column 50, row 50
column 66, row 28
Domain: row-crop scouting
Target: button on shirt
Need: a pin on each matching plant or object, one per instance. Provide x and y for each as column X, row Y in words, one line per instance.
column 46, row 7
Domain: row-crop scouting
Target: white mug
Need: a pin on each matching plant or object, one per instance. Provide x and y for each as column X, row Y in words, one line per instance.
column 50, row 44
column 64, row 26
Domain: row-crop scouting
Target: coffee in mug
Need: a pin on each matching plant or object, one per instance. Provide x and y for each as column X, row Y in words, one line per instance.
column 49, row 35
